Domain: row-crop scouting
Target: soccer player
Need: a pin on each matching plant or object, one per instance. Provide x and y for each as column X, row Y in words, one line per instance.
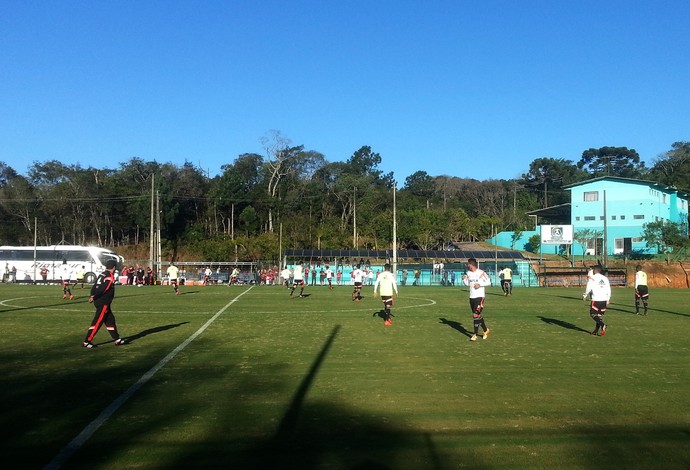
column 599, row 288
column 477, row 280
column 641, row 290
column 298, row 279
column 329, row 277
column 207, row 275
column 173, row 272
column 385, row 282
column 102, row 294
column 506, row 275
column 65, row 275
column 357, row 274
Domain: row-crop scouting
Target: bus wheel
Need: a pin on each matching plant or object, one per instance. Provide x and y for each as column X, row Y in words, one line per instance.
column 89, row 278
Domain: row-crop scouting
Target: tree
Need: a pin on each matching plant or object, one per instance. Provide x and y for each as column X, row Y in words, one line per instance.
column 534, row 243
column 547, row 176
column 420, row 184
column 584, row 236
column 673, row 167
column 666, row 236
column 612, row 161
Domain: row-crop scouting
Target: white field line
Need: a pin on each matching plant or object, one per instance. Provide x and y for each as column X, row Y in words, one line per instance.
column 92, row 427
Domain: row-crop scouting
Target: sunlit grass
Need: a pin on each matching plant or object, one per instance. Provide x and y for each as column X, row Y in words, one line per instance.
column 320, row 382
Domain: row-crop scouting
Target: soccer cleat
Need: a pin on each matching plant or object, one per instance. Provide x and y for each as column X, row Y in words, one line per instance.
column 71, row 297
column 473, row 338
column 64, row 296
column 388, row 323
column 88, row 345
column 119, row 342
column 486, row 333
column 603, row 330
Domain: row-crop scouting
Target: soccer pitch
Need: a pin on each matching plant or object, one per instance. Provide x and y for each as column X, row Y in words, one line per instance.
column 239, row 377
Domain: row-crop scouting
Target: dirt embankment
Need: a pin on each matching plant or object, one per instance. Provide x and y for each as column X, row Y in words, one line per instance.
column 659, row 274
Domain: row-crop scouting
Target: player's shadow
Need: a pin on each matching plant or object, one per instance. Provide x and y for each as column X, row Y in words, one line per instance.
column 150, row 331
column 382, row 314
column 456, row 326
column 562, row 324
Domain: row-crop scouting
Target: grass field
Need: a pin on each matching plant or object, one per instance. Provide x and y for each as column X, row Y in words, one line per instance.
column 249, row 378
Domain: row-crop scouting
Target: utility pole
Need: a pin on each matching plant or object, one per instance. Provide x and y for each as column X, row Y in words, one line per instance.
column 151, row 232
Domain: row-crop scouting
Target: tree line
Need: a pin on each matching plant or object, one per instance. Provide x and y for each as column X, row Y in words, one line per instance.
column 294, row 196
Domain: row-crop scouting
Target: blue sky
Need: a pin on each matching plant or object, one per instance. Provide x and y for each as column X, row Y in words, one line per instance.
column 474, row 89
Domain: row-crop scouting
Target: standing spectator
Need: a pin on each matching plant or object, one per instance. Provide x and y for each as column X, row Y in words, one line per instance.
column 130, row 276
column 81, row 274
column 417, row 276
column 150, row 276
column 65, row 275
column 404, row 277
column 477, row 280
column 600, row 290
column 313, row 275
column 44, row 273
column 140, row 275
column 338, row 276
column 102, row 295
column 207, row 275
column 173, row 271
column 385, row 281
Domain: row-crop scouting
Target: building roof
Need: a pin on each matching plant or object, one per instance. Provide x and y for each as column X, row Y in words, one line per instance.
column 619, row 179
column 406, row 254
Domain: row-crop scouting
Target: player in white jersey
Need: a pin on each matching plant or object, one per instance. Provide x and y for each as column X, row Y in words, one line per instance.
column 477, row 280
column 599, row 288
column 641, row 290
column 329, row 276
column 386, row 285
column 298, row 279
column 173, row 272
column 357, row 275
column 65, row 275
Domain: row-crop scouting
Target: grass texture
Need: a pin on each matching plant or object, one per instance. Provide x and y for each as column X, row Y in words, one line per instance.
column 239, row 377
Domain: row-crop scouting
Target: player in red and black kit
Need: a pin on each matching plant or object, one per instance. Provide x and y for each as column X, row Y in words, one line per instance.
column 102, row 294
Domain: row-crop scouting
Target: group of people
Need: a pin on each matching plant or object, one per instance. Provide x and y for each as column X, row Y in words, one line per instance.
column 598, row 290
column 139, row 276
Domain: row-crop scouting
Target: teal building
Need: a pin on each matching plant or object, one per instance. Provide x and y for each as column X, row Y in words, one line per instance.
column 615, row 209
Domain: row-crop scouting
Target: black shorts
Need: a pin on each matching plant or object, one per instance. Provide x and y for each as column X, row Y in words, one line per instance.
column 598, row 307
column 642, row 292
column 298, row 282
column 477, row 305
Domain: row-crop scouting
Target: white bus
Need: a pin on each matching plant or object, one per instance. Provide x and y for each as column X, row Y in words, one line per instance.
column 24, row 263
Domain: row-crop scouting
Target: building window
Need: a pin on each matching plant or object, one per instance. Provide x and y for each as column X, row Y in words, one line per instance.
column 622, row 217
column 590, row 196
column 613, row 217
column 577, row 218
column 590, row 217
column 601, row 217
column 637, row 240
column 638, row 216
column 663, row 199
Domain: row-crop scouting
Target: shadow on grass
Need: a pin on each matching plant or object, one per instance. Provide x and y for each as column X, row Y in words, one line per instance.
column 456, row 326
column 150, row 331
column 562, row 324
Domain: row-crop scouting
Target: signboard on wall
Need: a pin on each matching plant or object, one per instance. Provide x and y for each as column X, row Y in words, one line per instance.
column 557, row 234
